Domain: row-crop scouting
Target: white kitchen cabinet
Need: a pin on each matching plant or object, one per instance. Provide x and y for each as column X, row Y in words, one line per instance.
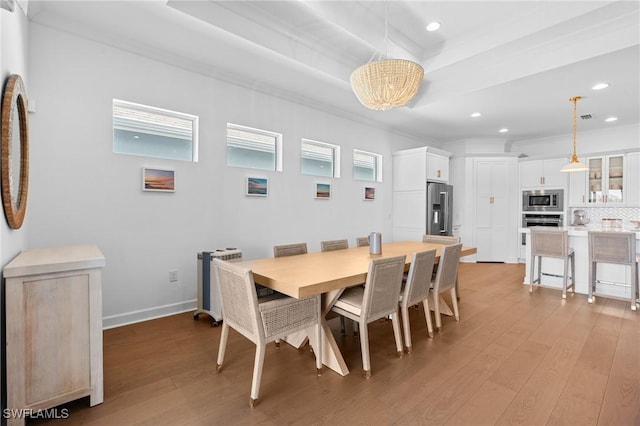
column 53, row 328
column 632, row 195
column 412, row 168
column 543, row 173
column 577, row 188
column 605, row 179
column 437, row 167
column 492, row 209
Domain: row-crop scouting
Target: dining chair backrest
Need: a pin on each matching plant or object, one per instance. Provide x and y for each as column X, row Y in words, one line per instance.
column 440, row 239
column 382, row 288
column 289, row 249
column 549, row 242
column 334, row 245
column 612, row 247
column 362, row 241
column 447, row 268
column 239, row 299
column 416, row 288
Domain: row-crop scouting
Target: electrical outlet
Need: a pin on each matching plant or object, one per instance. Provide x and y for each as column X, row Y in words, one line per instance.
column 173, row 276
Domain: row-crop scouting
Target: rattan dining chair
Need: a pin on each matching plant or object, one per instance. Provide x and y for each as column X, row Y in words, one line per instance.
column 362, row 241
column 442, row 239
column 261, row 321
column 416, row 290
column 617, row 248
column 446, row 281
column 331, row 245
column 289, row 249
column 378, row 299
column 552, row 243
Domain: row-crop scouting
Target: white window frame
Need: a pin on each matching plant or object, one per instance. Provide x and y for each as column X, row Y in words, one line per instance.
column 276, row 136
column 335, row 157
column 378, row 161
column 148, row 127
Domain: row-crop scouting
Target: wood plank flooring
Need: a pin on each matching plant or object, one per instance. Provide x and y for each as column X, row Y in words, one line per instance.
column 514, row 358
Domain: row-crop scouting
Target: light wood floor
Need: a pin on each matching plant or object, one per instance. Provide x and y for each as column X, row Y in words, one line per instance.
column 514, row 358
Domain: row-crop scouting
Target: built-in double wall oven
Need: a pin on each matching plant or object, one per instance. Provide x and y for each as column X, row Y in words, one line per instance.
column 542, row 208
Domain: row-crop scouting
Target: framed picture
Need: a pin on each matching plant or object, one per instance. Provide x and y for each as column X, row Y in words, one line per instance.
column 369, row 193
column 162, row 180
column 257, row 187
column 323, row 191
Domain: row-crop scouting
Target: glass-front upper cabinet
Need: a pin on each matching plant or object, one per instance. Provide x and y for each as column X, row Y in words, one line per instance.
column 606, row 179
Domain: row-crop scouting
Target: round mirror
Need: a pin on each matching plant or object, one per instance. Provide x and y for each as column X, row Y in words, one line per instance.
column 14, row 151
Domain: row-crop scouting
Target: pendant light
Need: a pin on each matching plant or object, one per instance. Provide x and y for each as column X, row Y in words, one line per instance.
column 386, row 83
column 575, row 165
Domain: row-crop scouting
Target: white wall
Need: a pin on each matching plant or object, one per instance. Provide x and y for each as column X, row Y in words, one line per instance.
column 13, row 60
column 82, row 193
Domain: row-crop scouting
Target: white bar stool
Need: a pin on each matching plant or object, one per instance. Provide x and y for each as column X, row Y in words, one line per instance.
column 549, row 242
column 613, row 247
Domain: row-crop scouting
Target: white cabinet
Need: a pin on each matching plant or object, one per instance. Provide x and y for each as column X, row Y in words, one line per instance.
column 492, row 210
column 543, row 173
column 632, row 195
column 605, row 179
column 412, row 168
column 53, row 328
column 437, row 167
column 577, row 188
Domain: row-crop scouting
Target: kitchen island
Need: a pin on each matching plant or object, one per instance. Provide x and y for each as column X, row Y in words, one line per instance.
column 613, row 280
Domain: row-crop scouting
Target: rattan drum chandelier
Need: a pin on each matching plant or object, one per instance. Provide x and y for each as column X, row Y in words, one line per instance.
column 385, row 83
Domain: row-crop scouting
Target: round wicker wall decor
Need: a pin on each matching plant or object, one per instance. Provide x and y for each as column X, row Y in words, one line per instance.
column 14, row 151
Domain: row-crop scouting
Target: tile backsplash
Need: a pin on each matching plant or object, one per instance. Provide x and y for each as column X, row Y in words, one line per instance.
column 596, row 214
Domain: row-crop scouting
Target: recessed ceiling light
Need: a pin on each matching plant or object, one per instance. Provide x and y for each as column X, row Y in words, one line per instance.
column 136, row 137
column 600, row 86
column 503, row 130
column 611, row 119
column 476, row 114
column 433, row 26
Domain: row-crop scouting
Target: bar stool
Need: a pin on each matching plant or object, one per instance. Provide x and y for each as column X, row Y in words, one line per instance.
column 613, row 247
column 546, row 242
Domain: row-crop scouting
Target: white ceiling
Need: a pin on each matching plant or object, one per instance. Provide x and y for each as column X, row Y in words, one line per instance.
column 516, row 62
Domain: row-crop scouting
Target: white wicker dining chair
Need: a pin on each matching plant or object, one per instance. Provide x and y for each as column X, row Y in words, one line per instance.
column 617, row 248
column 289, row 249
column 416, row 290
column 443, row 239
column 362, row 241
column 262, row 321
column 378, row 299
column 331, row 245
column 446, row 281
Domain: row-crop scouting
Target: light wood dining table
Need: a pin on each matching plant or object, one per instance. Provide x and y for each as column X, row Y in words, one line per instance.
column 329, row 273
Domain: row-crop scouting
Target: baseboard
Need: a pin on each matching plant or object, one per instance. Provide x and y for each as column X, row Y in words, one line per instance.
column 147, row 314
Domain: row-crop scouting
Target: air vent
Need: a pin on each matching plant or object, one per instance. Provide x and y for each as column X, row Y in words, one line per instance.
column 586, row 117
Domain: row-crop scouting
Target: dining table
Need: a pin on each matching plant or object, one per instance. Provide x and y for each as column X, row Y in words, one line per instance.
column 329, row 273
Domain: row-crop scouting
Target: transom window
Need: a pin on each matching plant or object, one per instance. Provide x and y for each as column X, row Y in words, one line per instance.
column 319, row 159
column 154, row 132
column 367, row 166
column 253, row 148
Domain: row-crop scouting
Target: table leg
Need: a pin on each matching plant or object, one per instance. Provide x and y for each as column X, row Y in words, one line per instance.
column 331, row 355
column 444, row 307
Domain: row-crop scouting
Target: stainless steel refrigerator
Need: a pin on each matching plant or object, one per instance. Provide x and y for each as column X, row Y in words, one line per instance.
column 439, row 208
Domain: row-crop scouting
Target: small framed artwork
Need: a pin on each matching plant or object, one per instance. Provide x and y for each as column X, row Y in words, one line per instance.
column 257, row 187
column 369, row 193
column 323, row 191
column 162, row 180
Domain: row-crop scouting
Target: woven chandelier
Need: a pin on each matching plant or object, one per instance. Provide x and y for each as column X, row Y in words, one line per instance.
column 386, row 83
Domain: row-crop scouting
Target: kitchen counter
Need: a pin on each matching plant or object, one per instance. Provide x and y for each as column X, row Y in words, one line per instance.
column 613, row 280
